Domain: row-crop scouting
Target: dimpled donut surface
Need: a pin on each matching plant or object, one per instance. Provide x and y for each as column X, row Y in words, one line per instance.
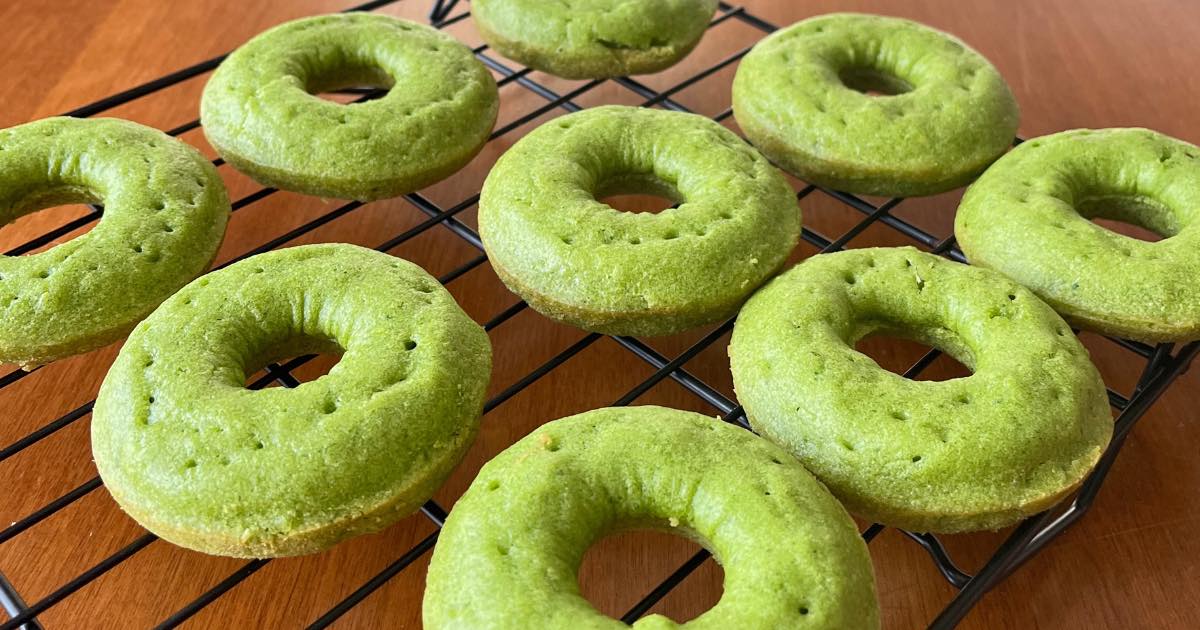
column 973, row 453
column 260, row 109
column 509, row 554
column 580, row 261
column 197, row 457
column 582, row 39
column 165, row 210
column 874, row 105
column 1029, row 217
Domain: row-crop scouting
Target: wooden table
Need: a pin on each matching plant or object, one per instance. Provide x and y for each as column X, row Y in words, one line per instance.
column 1131, row 563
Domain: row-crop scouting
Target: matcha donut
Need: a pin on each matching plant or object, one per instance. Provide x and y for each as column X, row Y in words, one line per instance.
column 940, row 115
column 165, row 210
column 205, row 463
column 593, row 39
column 973, row 453
column 261, row 114
column 510, row 550
column 580, row 261
column 1028, row 217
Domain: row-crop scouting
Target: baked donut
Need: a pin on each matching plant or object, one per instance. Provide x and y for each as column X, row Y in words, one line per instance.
column 510, row 551
column 165, row 210
column 593, row 39
column 260, row 112
column 197, row 458
column 974, row 453
column 1028, row 217
column 579, row 261
column 873, row 105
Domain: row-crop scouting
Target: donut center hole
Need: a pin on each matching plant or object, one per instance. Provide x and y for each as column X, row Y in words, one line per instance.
column 348, row 84
column 873, row 81
column 621, row 568
column 45, row 220
column 1135, row 216
column 292, row 362
column 897, row 353
column 638, row 192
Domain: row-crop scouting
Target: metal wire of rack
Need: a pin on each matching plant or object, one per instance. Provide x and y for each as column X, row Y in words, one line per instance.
column 1162, row 363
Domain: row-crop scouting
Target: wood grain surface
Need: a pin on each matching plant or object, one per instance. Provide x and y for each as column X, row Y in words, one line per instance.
column 1133, row 562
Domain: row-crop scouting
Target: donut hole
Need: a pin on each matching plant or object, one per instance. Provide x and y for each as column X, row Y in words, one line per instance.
column 1138, row 217
column 873, row 81
column 36, row 213
column 611, row 582
column 637, row 203
column 319, row 355
column 351, row 81
column 638, row 192
column 897, row 352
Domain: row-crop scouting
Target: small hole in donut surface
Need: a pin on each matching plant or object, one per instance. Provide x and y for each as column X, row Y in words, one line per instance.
column 40, row 219
column 607, row 576
column 873, row 81
column 896, row 354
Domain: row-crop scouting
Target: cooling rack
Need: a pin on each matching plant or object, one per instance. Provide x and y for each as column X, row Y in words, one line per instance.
column 1160, row 364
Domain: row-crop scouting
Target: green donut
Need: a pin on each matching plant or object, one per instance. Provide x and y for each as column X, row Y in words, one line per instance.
column 508, row 555
column 580, row 261
column 260, row 113
column 973, row 453
column 944, row 114
column 208, row 464
column 165, row 210
column 1028, row 217
column 593, row 39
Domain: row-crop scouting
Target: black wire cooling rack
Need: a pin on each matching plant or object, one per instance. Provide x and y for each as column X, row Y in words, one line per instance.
column 1162, row 363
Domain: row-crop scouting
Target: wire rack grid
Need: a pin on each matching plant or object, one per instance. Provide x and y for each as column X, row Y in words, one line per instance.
column 1161, row 364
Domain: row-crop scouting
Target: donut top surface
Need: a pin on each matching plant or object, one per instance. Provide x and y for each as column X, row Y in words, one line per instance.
column 940, row 113
column 510, row 551
column 594, row 38
column 205, row 462
column 165, row 210
column 735, row 222
column 1029, row 217
column 977, row 452
column 260, row 106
